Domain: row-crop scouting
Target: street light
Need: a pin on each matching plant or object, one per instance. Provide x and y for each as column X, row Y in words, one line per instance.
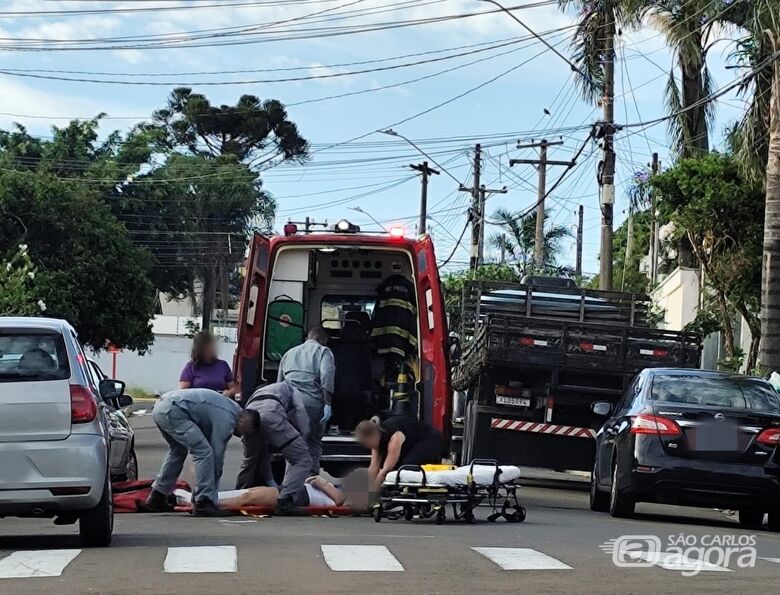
column 367, row 214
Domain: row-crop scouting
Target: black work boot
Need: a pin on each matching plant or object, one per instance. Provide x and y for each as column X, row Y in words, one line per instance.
column 285, row 507
column 206, row 508
column 157, row 502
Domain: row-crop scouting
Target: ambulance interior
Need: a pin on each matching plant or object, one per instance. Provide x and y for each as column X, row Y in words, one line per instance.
column 338, row 288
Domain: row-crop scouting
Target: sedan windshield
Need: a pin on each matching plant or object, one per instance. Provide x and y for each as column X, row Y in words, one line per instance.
column 713, row 391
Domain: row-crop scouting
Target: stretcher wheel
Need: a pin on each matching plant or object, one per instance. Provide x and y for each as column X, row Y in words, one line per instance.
column 377, row 513
column 518, row 516
column 441, row 514
column 408, row 512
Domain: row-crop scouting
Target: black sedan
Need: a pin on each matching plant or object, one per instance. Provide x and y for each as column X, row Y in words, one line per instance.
column 691, row 438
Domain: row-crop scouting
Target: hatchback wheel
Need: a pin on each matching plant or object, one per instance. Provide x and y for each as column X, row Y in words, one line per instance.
column 97, row 525
column 599, row 501
column 750, row 518
column 621, row 505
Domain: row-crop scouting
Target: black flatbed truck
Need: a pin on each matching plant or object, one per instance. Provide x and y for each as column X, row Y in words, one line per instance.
column 536, row 355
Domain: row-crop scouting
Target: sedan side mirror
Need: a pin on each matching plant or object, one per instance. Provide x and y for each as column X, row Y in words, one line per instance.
column 111, row 389
column 601, row 408
column 124, row 401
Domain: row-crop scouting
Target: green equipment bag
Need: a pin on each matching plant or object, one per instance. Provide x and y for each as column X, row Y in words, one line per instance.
column 284, row 327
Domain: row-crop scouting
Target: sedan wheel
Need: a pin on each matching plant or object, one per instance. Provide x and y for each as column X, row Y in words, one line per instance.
column 774, row 520
column 620, row 504
column 132, row 466
column 750, row 518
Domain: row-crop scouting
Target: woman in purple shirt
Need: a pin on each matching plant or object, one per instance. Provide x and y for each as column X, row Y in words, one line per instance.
column 205, row 369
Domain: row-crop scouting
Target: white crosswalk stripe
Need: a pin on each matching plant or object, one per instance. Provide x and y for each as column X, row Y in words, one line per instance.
column 520, row 558
column 773, row 560
column 212, row 558
column 360, row 558
column 39, row 563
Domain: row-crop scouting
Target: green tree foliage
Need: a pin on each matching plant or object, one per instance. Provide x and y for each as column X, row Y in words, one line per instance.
column 516, row 242
column 626, row 273
column 88, row 270
column 214, row 156
column 722, row 214
column 18, row 290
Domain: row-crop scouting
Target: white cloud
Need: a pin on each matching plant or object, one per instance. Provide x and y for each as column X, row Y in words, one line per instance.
column 20, row 99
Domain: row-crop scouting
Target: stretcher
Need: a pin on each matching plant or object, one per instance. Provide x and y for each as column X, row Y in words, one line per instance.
column 425, row 492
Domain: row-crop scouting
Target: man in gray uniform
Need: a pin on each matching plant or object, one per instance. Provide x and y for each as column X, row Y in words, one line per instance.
column 198, row 422
column 310, row 368
column 284, row 424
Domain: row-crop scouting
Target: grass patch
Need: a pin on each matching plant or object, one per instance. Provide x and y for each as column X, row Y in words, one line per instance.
column 141, row 393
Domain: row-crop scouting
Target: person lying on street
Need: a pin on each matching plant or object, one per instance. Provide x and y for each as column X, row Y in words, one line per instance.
column 397, row 441
column 318, row 493
column 198, row 422
column 279, row 411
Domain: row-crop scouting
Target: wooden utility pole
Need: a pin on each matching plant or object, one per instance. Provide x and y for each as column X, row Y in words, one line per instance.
column 654, row 243
column 425, row 172
column 580, row 217
column 607, row 134
column 541, row 191
column 476, row 210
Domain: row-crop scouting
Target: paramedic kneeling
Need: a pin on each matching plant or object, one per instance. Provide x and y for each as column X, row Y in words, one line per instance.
column 397, row 441
column 199, row 422
column 281, row 418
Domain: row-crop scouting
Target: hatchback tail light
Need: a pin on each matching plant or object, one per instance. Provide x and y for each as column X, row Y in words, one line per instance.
column 769, row 437
column 83, row 405
column 654, row 424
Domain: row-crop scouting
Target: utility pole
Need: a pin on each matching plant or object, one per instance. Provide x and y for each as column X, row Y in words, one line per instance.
column 607, row 133
column 541, row 191
column 483, row 192
column 477, row 212
column 580, row 217
column 425, row 172
column 654, row 244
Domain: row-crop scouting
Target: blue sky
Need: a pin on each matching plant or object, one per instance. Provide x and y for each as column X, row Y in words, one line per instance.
column 497, row 100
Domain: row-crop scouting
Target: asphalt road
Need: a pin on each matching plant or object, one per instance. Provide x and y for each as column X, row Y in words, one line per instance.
column 556, row 550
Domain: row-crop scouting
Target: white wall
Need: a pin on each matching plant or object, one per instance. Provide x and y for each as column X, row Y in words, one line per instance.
column 158, row 370
column 678, row 296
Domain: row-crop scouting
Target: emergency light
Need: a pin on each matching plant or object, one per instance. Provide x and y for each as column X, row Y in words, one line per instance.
column 345, row 226
column 397, row 232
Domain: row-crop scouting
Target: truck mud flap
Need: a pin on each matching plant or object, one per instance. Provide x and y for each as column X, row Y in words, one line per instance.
column 549, row 446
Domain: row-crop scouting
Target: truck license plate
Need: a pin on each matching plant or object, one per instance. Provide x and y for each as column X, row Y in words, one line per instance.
column 513, row 401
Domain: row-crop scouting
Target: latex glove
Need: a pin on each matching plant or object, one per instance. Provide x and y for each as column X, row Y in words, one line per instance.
column 327, row 413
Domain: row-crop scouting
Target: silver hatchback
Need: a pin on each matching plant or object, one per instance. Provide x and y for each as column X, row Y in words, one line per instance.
column 54, row 429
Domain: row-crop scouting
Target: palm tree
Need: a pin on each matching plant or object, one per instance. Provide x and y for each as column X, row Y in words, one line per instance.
column 517, row 240
column 505, row 246
column 686, row 25
column 764, row 25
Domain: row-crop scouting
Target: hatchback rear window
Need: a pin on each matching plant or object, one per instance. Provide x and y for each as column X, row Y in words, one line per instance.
column 725, row 393
column 27, row 356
